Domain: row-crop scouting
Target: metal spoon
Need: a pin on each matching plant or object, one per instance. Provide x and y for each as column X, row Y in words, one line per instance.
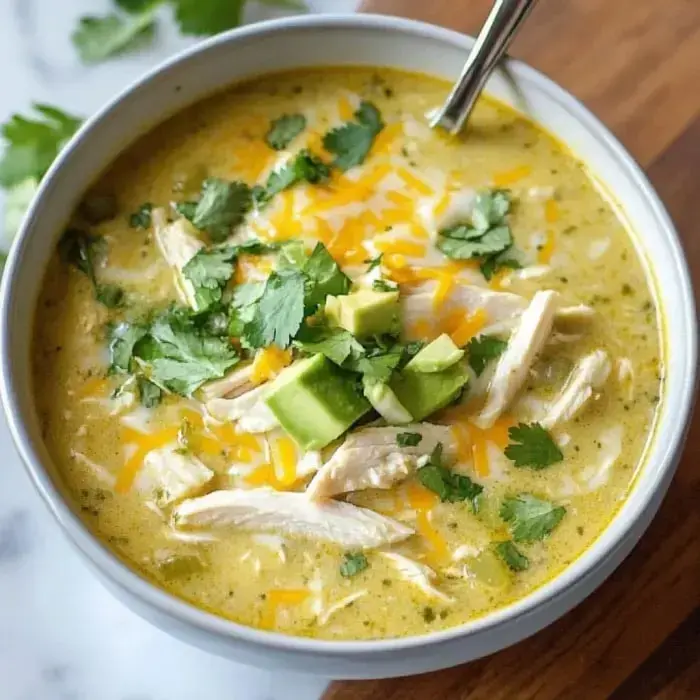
column 495, row 36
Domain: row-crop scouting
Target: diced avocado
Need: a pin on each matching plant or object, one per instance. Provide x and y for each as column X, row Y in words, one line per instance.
column 365, row 312
column 436, row 356
column 316, row 402
column 489, row 569
column 424, row 393
column 386, row 404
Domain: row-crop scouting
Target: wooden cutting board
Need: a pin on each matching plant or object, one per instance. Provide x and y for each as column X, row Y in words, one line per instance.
column 636, row 64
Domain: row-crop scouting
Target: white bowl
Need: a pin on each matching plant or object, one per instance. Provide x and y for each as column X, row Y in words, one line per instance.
column 366, row 40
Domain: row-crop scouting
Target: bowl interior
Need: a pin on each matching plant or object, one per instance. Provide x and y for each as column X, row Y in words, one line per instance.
column 356, row 40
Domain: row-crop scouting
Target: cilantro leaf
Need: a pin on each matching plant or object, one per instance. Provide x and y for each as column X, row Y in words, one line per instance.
column 353, row 563
column 530, row 518
column 450, row 486
column 109, row 295
column 408, row 439
column 122, row 339
column 186, row 209
column 33, row 144
column 495, row 263
column 383, row 286
column 378, row 368
column 284, row 130
column 150, row 394
column 221, row 207
column 374, row 262
column 351, row 142
column 304, row 167
column 98, row 38
column 512, row 556
column 485, row 235
column 482, row 349
column 203, row 17
column 82, row 251
column 209, row 271
column 336, row 344
column 532, row 446
column 141, row 218
column 278, row 312
column 182, row 357
column 324, row 277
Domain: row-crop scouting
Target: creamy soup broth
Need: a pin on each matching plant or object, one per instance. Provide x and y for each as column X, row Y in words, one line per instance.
column 567, row 238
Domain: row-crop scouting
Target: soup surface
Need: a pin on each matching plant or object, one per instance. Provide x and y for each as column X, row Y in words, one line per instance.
column 312, row 366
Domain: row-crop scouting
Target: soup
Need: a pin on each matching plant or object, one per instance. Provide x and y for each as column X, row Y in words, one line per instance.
column 316, row 368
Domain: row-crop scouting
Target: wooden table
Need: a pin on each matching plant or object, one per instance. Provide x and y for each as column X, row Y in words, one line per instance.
column 636, row 64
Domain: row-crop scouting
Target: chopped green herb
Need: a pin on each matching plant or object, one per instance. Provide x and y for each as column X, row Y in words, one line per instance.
column 150, row 394
column 186, row 209
column 209, row 271
column 351, row 143
column 383, row 286
column 221, row 207
column 378, row 368
column 82, row 251
column 485, row 235
column 482, row 349
column 122, row 338
column 141, row 218
column 98, row 38
column 532, row 446
column 284, row 130
column 495, row 263
column 336, row 344
column 324, row 277
column 428, row 614
column 109, row 295
column 374, row 262
column 408, row 439
column 512, row 556
column 304, row 167
column 530, row 518
column 32, row 144
column 353, row 563
column 451, row 487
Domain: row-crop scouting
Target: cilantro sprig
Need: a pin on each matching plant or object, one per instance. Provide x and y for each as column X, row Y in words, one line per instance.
column 512, row 556
column 353, row 563
column 408, row 439
column 351, row 142
column 530, row 519
column 532, row 446
column 482, row 349
column 450, row 486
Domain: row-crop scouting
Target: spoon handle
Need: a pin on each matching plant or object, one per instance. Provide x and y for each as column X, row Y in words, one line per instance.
column 495, row 36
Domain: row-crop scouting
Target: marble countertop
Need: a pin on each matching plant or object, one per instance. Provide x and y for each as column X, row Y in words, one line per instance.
column 62, row 636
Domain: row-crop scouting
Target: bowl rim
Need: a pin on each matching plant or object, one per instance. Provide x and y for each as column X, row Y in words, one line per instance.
column 585, row 566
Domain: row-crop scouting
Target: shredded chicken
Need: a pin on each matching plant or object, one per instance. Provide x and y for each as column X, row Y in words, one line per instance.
column 236, row 382
column 589, row 374
column 417, row 574
column 514, row 364
column 249, row 410
column 267, row 510
column 372, row 458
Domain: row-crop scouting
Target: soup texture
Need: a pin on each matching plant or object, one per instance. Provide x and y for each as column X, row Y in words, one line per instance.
column 310, row 365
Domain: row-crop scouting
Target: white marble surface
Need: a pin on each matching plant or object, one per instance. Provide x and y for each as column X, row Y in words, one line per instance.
column 62, row 636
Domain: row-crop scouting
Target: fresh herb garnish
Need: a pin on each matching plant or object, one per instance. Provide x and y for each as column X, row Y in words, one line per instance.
column 378, row 366
column 531, row 519
column 221, row 207
column 383, row 286
column 408, row 439
column 141, row 218
column 486, row 233
column 532, row 446
column 336, row 344
column 122, row 338
column 512, row 556
column 374, row 262
column 353, row 563
column 33, row 144
column 304, row 167
column 209, row 271
column 150, row 394
column 109, row 295
column 495, row 263
column 351, row 142
column 450, row 486
column 482, row 349
column 323, row 278
column 284, row 130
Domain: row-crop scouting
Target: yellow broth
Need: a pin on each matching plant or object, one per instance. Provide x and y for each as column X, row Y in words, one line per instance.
column 560, row 219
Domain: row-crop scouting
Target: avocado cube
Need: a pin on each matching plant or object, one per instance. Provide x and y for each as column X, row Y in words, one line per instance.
column 316, row 402
column 436, row 356
column 365, row 312
column 423, row 393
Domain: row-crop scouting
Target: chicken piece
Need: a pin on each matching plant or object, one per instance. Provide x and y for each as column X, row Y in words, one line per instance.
column 169, row 475
column 590, row 373
column 339, row 605
column 502, row 309
column 416, row 573
column 267, row 510
column 514, row 364
column 249, row 410
column 178, row 243
column 233, row 384
column 372, row 458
